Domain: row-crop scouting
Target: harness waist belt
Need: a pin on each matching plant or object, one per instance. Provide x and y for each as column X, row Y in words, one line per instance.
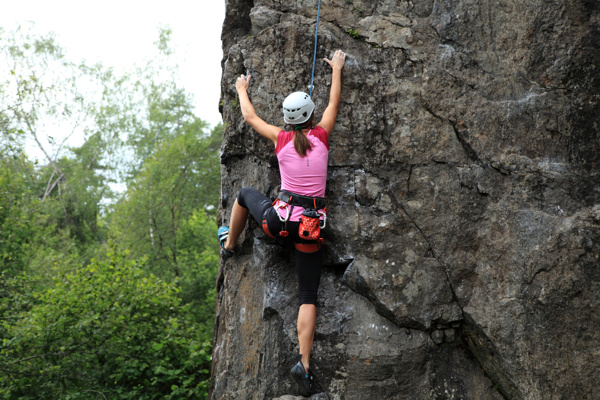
column 317, row 203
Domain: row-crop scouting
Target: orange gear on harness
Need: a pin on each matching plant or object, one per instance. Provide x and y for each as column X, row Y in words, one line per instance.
column 310, row 222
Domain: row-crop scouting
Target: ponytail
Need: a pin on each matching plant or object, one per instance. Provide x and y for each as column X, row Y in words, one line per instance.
column 301, row 143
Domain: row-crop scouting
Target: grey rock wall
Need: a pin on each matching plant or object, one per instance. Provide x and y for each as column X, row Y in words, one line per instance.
column 463, row 245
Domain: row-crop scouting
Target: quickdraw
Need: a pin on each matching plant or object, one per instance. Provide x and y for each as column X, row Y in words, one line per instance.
column 284, row 232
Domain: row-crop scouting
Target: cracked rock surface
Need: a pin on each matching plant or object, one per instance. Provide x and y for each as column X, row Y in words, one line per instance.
column 462, row 252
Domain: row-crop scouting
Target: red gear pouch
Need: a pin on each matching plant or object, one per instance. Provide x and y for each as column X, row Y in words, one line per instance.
column 310, row 225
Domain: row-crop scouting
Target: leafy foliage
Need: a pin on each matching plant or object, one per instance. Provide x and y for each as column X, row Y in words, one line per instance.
column 180, row 179
column 29, row 238
column 16, row 215
column 136, row 321
column 107, row 326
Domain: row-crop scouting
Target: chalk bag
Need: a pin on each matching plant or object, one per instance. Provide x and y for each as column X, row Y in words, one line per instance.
column 310, row 225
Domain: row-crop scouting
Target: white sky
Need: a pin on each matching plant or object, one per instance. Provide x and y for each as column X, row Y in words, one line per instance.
column 120, row 33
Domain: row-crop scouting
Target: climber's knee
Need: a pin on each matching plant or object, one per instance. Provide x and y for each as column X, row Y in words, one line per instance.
column 308, row 248
column 307, row 297
column 243, row 195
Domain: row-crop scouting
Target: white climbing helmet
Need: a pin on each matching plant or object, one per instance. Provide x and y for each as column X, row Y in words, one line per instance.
column 297, row 108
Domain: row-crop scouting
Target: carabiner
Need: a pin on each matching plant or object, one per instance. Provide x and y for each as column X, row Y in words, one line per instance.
column 324, row 218
column 287, row 212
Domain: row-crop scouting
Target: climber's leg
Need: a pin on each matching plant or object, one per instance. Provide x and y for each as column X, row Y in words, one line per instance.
column 308, row 266
column 251, row 201
column 307, row 319
column 237, row 223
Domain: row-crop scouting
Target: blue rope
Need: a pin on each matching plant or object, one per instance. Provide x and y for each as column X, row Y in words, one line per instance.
column 312, row 76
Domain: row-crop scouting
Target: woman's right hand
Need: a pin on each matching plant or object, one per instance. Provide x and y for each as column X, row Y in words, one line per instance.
column 242, row 83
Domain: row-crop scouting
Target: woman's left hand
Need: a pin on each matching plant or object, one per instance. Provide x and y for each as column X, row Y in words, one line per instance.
column 243, row 82
column 338, row 60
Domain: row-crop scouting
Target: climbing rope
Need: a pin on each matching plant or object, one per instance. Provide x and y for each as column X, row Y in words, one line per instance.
column 312, row 76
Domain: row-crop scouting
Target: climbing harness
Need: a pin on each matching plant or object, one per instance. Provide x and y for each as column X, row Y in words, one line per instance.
column 302, row 201
column 312, row 76
column 310, row 223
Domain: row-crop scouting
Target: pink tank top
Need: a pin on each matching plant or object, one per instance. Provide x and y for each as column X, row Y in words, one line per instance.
column 303, row 175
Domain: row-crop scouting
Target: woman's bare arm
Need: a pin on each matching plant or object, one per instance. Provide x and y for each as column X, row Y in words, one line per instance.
column 259, row 125
column 330, row 114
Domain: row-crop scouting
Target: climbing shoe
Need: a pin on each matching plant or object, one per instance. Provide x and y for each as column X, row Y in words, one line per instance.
column 223, row 234
column 304, row 380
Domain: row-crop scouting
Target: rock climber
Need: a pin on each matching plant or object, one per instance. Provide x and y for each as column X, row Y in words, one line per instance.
column 299, row 211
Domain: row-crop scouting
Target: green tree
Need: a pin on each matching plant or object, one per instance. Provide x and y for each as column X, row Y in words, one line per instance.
column 169, row 216
column 110, row 329
column 43, row 101
column 180, row 179
column 199, row 261
column 30, row 241
column 17, row 213
column 59, row 318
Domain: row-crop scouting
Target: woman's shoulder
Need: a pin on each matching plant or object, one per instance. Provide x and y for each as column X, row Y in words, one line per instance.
column 283, row 138
column 321, row 134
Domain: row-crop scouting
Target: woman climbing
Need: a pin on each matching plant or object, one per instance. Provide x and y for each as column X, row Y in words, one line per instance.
column 302, row 154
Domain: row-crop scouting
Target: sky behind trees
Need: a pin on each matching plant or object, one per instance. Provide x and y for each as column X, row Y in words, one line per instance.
column 121, row 33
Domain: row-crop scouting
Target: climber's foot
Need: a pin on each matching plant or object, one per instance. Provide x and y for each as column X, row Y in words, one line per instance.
column 303, row 380
column 223, row 234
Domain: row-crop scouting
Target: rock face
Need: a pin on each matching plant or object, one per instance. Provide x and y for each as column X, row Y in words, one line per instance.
column 463, row 244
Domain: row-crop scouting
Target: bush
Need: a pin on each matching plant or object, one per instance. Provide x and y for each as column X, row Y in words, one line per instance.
column 105, row 331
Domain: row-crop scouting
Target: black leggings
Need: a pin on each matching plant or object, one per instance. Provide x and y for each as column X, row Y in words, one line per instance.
column 308, row 265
